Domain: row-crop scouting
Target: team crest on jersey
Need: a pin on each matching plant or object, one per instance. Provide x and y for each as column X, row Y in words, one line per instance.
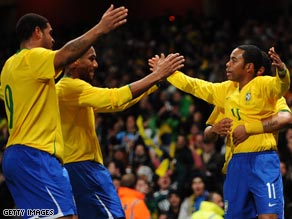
column 247, row 96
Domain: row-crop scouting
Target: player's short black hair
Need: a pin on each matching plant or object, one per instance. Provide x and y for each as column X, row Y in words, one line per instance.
column 252, row 54
column 27, row 23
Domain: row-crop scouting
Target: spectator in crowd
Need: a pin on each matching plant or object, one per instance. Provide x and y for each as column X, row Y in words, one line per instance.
column 183, row 162
column 175, row 200
column 128, row 135
column 286, row 173
column 212, row 207
column 192, row 203
column 161, row 193
column 144, row 186
column 132, row 200
column 140, row 156
column 213, row 163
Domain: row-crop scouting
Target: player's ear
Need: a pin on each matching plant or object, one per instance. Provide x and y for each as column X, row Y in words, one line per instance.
column 250, row 67
column 261, row 71
column 37, row 33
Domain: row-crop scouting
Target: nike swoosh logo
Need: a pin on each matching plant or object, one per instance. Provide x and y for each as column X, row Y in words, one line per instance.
column 271, row 205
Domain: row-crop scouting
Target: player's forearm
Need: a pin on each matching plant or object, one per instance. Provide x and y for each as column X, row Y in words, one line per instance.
column 110, row 20
column 142, row 85
column 278, row 121
column 75, row 48
column 271, row 124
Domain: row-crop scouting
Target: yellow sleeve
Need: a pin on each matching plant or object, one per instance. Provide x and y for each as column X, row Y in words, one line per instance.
column 76, row 92
column 1, row 93
column 281, row 105
column 216, row 115
column 127, row 104
column 207, row 91
column 284, row 83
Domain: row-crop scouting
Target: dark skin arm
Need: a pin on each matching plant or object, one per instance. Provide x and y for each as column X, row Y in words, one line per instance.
column 271, row 124
column 165, row 66
column 111, row 19
column 222, row 128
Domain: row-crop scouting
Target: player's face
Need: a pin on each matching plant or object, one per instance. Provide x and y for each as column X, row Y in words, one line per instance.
column 87, row 65
column 235, row 67
column 47, row 39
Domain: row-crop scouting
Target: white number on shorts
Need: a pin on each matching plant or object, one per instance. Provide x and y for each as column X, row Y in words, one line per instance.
column 271, row 190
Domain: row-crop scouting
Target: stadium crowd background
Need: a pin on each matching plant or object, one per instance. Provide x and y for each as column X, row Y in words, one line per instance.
column 205, row 34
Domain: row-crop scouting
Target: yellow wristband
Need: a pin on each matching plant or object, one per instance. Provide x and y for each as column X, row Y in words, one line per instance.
column 254, row 128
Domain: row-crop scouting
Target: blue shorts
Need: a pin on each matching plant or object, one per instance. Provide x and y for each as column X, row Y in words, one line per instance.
column 253, row 186
column 94, row 191
column 39, row 184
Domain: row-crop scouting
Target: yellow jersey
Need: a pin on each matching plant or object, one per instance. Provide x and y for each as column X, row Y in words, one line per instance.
column 255, row 101
column 28, row 88
column 78, row 102
column 218, row 114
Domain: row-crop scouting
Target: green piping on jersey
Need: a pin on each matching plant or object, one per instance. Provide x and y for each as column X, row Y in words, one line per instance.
column 285, row 110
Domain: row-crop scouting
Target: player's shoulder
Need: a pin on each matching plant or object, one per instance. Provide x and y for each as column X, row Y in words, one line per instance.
column 70, row 82
column 263, row 79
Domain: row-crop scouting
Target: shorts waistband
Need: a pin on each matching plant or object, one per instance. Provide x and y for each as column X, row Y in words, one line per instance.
column 254, row 153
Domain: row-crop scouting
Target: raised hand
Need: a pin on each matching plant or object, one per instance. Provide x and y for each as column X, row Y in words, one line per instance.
column 165, row 66
column 276, row 60
column 152, row 62
column 113, row 18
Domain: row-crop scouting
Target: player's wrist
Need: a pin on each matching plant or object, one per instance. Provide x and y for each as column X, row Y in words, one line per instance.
column 282, row 71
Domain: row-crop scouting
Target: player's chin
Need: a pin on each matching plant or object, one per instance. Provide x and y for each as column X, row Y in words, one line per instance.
column 229, row 77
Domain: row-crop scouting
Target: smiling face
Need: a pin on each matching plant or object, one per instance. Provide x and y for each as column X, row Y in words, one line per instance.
column 86, row 65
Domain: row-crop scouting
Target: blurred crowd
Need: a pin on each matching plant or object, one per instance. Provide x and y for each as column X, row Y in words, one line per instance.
column 160, row 139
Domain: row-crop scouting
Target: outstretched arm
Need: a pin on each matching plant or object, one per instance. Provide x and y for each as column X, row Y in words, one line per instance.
column 111, row 19
column 165, row 66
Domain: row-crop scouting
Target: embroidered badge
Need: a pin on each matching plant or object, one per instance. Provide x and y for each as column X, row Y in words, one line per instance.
column 247, row 96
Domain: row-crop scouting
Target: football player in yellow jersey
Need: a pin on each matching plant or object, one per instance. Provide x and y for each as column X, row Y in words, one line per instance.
column 217, row 125
column 32, row 161
column 254, row 170
column 93, row 189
